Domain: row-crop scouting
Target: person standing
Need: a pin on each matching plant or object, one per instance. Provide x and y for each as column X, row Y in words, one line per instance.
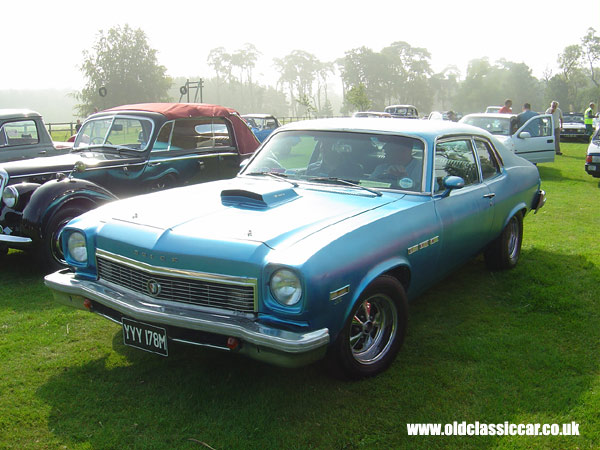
column 506, row 109
column 588, row 120
column 525, row 115
column 557, row 117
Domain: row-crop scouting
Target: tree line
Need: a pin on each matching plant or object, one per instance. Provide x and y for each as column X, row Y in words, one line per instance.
column 121, row 68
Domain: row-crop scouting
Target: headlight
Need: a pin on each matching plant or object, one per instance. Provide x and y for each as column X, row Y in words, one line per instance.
column 76, row 247
column 10, row 196
column 286, row 287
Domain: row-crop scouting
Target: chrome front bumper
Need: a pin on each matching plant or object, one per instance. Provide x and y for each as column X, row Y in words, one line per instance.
column 539, row 201
column 265, row 343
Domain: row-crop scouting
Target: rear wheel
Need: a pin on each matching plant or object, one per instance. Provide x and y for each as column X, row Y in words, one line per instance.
column 51, row 254
column 503, row 253
column 374, row 332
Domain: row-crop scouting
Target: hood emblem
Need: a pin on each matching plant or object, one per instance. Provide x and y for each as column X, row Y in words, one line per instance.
column 153, row 288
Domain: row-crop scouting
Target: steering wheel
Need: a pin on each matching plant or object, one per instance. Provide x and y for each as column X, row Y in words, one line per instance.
column 99, row 140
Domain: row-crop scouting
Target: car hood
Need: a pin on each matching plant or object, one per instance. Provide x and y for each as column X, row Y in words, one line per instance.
column 62, row 163
column 268, row 212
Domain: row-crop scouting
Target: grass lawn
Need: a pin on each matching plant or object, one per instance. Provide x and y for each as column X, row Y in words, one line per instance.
column 520, row 346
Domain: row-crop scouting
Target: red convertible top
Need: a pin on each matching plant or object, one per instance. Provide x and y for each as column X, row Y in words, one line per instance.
column 245, row 139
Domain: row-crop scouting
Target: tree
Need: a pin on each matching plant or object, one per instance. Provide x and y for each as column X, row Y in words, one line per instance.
column 590, row 51
column 123, row 67
column 357, row 97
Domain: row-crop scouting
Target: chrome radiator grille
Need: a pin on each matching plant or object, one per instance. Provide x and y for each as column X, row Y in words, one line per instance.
column 186, row 288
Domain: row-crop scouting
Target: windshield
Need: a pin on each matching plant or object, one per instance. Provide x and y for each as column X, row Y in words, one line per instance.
column 129, row 133
column 495, row 125
column 342, row 157
column 573, row 118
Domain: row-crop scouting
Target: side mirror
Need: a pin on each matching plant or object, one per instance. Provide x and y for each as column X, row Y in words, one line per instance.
column 451, row 183
column 524, row 135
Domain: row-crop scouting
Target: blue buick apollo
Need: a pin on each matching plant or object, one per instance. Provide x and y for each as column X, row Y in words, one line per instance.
column 315, row 248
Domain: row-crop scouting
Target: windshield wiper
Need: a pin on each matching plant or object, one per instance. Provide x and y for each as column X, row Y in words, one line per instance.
column 277, row 176
column 346, row 183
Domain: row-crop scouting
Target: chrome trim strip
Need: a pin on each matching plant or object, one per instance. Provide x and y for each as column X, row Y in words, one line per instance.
column 15, row 239
column 71, row 291
column 182, row 273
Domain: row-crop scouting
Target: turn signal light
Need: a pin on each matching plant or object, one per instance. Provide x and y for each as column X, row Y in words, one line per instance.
column 588, row 159
column 87, row 304
column 232, row 343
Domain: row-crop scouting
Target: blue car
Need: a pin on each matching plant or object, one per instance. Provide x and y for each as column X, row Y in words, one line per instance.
column 262, row 125
column 313, row 251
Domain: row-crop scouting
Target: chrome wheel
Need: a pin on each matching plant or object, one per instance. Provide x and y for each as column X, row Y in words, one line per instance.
column 513, row 238
column 373, row 329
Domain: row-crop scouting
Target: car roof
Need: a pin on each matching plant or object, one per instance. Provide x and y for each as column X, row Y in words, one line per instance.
column 259, row 116
column 17, row 113
column 408, row 127
column 178, row 110
column 491, row 115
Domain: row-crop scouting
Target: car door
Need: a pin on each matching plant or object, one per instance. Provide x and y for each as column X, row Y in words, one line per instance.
column 534, row 141
column 466, row 214
column 20, row 139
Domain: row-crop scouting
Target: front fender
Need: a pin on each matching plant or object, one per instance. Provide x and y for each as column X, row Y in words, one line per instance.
column 55, row 194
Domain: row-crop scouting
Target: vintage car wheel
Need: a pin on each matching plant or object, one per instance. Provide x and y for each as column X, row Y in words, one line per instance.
column 504, row 251
column 51, row 254
column 374, row 332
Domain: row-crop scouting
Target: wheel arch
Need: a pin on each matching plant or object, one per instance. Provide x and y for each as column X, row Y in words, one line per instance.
column 55, row 195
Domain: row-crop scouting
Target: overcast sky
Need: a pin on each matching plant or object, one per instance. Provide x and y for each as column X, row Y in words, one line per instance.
column 43, row 40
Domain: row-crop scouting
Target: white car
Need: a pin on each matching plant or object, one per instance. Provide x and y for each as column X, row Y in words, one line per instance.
column 592, row 160
column 534, row 140
column 573, row 127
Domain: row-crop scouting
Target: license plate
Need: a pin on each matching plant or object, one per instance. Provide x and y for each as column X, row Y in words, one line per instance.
column 145, row 336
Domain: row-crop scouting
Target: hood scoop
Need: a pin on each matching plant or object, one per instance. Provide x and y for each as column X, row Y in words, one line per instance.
column 261, row 195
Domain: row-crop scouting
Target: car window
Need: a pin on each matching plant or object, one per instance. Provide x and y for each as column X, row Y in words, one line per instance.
column 21, row 132
column 540, row 126
column 455, row 158
column 371, row 160
column 129, row 132
column 495, row 125
column 202, row 133
column 489, row 166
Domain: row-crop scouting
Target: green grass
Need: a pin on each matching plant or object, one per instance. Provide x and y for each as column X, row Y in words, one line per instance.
column 520, row 346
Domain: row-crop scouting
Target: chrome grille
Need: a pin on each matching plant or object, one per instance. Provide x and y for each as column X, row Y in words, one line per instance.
column 209, row 293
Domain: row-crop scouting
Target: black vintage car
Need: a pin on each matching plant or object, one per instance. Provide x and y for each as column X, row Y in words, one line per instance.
column 120, row 152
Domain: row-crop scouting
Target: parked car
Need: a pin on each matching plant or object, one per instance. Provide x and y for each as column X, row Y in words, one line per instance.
column 402, row 111
column 592, row 159
column 306, row 256
column 573, row 127
column 371, row 114
column 534, row 140
column 123, row 151
column 23, row 135
column 493, row 109
column 262, row 125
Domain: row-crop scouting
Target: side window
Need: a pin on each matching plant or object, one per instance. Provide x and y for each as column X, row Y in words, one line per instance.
column 455, row 158
column 489, row 166
column 22, row 132
column 163, row 138
column 200, row 134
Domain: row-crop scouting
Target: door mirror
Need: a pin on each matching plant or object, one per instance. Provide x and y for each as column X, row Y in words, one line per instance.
column 524, row 135
column 452, row 182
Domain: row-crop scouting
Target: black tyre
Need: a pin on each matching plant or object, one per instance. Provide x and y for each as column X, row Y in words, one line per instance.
column 374, row 332
column 503, row 253
column 50, row 252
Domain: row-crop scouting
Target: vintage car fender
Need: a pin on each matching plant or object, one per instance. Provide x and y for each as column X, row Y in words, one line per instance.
column 56, row 194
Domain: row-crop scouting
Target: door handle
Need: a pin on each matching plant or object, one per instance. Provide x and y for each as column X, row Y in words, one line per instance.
column 550, row 141
column 491, row 195
column 154, row 164
column 43, row 152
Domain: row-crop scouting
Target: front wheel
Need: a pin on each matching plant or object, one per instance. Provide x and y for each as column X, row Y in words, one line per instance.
column 51, row 254
column 503, row 253
column 374, row 332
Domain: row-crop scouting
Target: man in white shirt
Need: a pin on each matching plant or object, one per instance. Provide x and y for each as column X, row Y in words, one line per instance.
column 557, row 116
